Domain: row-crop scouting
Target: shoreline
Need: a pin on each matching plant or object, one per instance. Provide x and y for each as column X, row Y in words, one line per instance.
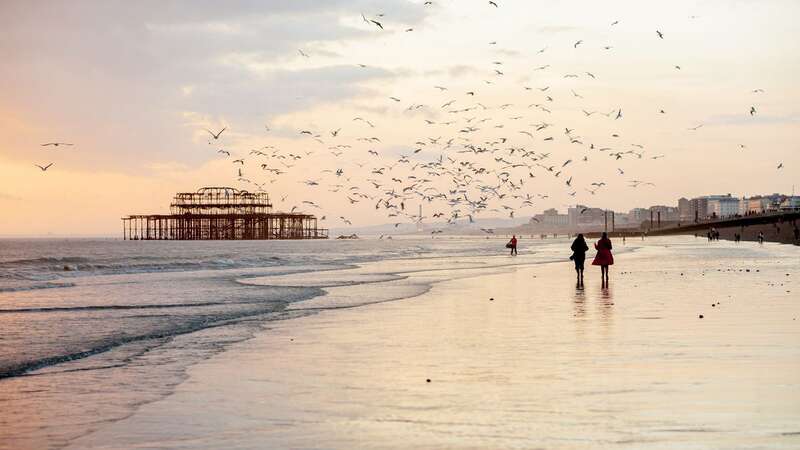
column 100, row 362
column 304, row 364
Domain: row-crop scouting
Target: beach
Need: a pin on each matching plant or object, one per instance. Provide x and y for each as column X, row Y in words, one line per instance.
column 516, row 357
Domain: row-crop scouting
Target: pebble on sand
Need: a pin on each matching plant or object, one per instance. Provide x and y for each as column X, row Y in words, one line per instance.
column 491, row 299
column 428, row 380
column 701, row 316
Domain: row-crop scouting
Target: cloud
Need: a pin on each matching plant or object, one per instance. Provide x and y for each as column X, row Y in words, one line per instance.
column 248, row 99
column 123, row 76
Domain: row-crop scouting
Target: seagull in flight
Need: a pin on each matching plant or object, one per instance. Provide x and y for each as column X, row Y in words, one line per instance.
column 216, row 136
column 493, row 4
column 752, row 110
column 55, row 144
column 577, row 43
column 48, row 166
column 660, row 34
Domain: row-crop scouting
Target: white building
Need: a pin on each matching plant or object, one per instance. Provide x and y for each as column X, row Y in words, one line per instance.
column 790, row 203
column 723, row 206
column 551, row 217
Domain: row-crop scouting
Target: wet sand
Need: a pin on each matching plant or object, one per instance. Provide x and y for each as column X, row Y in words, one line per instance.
column 521, row 359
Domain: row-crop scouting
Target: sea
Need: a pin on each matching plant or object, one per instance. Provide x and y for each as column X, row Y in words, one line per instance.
column 97, row 327
column 93, row 329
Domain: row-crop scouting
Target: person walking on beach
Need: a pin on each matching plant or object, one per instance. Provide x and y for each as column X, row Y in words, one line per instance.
column 579, row 249
column 760, row 237
column 604, row 258
column 512, row 244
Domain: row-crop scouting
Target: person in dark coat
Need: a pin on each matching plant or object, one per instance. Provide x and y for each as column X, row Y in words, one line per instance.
column 512, row 244
column 604, row 258
column 579, row 249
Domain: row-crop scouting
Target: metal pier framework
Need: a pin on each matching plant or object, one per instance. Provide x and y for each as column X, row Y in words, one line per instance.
column 221, row 213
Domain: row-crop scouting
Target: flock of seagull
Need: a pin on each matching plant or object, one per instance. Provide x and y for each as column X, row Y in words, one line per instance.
column 449, row 169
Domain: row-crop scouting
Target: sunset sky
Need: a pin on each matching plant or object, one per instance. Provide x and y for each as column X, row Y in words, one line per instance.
column 134, row 85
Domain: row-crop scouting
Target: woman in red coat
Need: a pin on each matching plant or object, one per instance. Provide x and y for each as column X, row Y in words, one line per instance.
column 604, row 258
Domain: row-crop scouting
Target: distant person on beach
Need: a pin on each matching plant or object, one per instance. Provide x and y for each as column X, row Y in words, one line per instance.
column 760, row 237
column 512, row 244
column 579, row 249
column 604, row 258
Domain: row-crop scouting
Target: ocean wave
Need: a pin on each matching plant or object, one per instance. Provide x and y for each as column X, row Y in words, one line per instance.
column 109, row 307
column 43, row 269
column 325, row 279
column 33, row 287
column 274, row 309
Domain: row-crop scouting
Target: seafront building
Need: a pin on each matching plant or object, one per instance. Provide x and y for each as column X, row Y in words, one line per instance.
column 581, row 218
column 665, row 213
column 758, row 204
column 708, row 206
column 551, row 217
column 722, row 206
column 790, row 203
column 684, row 210
column 584, row 216
column 638, row 215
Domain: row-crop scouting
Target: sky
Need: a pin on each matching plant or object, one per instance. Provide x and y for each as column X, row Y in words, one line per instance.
column 135, row 85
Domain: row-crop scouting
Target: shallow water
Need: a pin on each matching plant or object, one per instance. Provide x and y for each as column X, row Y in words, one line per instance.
column 98, row 327
column 553, row 367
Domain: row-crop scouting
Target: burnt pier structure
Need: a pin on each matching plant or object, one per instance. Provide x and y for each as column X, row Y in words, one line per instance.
column 221, row 213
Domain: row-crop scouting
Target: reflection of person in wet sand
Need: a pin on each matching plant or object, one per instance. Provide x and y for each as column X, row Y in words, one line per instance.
column 579, row 249
column 604, row 258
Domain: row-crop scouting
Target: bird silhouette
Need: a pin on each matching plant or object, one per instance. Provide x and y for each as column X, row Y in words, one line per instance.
column 216, row 136
column 56, row 144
